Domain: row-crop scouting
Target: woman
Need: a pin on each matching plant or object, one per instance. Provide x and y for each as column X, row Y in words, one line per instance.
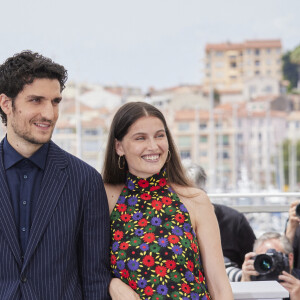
column 160, row 223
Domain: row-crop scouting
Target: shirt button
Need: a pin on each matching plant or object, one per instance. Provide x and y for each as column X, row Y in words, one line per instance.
column 23, row 229
column 23, row 278
column 24, row 202
column 25, row 176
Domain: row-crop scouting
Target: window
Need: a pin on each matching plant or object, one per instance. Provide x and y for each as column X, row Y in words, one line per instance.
column 233, row 64
column 185, row 154
column 203, row 138
column 183, row 126
column 91, row 131
column 219, row 53
column 90, row 146
column 184, row 141
column 257, row 51
column 257, row 72
column 257, row 63
column 203, row 125
column 225, row 140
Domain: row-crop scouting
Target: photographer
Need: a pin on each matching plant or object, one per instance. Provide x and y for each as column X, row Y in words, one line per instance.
column 278, row 242
column 293, row 231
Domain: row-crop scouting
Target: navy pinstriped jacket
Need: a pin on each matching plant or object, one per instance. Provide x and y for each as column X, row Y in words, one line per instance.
column 67, row 255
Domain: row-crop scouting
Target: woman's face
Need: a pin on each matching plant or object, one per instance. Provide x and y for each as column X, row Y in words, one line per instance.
column 145, row 147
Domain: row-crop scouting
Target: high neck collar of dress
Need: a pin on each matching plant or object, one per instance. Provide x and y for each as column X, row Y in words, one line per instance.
column 150, row 184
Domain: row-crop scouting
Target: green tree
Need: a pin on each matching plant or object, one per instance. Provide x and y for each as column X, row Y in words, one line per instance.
column 289, row 71
column 295, row 59
column 286, row 160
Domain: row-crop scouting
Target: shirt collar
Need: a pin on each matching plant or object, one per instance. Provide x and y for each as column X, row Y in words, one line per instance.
column 11, row 156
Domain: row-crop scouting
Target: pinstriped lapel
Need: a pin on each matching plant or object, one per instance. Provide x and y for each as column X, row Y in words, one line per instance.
column 7, row 217
column 54, row 180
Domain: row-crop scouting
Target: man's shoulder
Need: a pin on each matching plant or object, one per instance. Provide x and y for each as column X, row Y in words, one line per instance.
column 71, row 161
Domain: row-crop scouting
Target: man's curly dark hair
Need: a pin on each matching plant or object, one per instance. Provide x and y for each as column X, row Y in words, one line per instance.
column 22, row 69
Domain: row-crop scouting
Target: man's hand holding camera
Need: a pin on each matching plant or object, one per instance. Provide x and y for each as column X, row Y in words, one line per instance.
column 294, row 220
column 248, row 267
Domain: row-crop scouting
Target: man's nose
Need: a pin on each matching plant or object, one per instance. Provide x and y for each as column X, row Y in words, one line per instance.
column 48, row 111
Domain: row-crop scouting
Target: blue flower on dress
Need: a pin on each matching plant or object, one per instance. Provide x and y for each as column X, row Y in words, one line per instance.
column 139, row 232
column 133, row 265
column 194, row 296
column 189, row 276
column 121, row 200
column 155, row 221
column 183, row 208
column 132, row 200
column 187, row 227
column 163, row 242
column 115, row 246
column 130, row 184
column 185, row 298
column 121, row 264
column 142, row 283
column 177, row 231
column 116, row 273
column 144, row 247
column 162, row 289
column 177, row 250
column 137, row 216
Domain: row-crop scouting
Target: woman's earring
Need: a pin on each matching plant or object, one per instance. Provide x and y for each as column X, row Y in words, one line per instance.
column 121, row 167
column 169, row 156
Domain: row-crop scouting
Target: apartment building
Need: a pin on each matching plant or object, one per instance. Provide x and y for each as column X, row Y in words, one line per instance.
column 234, row 66
column 234, row 139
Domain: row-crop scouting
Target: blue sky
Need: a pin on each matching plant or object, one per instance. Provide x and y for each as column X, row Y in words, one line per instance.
column 140, row 43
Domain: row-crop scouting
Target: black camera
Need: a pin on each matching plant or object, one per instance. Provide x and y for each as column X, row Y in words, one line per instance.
column 270, row 265
column 298, row 210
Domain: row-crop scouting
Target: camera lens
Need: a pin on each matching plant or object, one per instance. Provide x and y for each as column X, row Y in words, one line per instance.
column 263, row 264
column 298, row 210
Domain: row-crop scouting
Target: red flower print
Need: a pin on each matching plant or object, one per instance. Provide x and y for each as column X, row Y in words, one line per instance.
column 154, row 188
column 189, row 235
column 143, row 183
column 124, row 273
column 143, row 222
column 162, row 182
column 166, row 200
column 156, row 204
column 170, row 264
column 161, row 271
column 121, row 207
column 179, row 218
column 126, row 217
column 118, row 235
column 146, row 196
column 148, row 261
column 186, row 288
column 201, row 278
column 194, row 247
column 124, row 246
column 148, row 291
column 173, row 239
column 149, row 237
column 132, row 284
column 113, row 260
column 190, row 265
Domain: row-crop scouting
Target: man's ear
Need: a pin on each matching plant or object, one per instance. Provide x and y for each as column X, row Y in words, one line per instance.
column 119, row 147
column 5, row 104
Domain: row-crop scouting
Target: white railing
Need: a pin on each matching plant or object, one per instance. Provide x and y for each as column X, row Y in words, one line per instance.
column 265, row 211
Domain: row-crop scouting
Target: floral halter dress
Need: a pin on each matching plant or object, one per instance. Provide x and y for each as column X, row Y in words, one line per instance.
column 154, row 247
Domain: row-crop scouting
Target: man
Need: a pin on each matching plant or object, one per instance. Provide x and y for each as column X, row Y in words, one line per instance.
column 237, row 239
column 293, row 231
column 273, row 240
column 54, row 220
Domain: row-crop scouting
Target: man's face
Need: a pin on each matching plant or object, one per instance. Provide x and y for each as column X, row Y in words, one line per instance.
column 270, row 244
column 31, row 120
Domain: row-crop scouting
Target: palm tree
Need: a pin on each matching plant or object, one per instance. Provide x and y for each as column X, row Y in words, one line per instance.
column 295, row 59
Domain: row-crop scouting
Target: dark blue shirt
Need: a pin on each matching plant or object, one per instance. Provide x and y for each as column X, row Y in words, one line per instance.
column 24, row 177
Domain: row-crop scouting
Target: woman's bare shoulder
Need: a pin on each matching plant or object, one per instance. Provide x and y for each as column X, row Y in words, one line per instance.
column 113, row 192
